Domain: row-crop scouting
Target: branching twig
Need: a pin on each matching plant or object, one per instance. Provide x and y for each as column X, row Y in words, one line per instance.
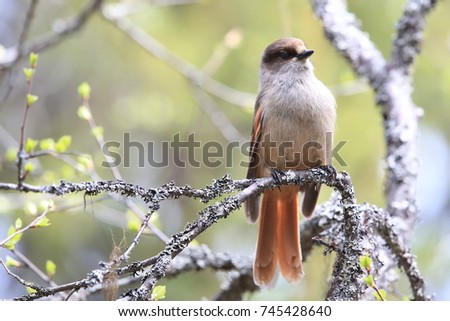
column 66, row 27
column 33, row 224
column 391, row 82
column 340, row 211
column 194, row 75
column 405, row 259
column 26, row 26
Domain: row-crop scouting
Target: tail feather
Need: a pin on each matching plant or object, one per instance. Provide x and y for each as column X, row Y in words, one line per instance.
column 265, row 265
column 278, row 238
column 288, row 239
column 311, row 191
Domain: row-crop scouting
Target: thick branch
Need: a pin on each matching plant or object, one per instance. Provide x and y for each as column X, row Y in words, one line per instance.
column 341, row 213
column 409, row 35
column 341, row 28
column 346, row 283
column 393, row 91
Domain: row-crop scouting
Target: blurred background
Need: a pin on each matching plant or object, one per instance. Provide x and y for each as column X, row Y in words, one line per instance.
column 150, row 101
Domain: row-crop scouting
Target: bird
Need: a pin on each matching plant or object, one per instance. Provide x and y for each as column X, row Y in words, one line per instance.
column 293, row 126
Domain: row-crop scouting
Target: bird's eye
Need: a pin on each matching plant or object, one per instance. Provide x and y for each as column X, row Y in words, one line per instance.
column 285, row 54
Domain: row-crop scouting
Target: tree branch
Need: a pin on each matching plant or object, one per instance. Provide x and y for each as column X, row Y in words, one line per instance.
column 339, row 219
column 194, row 75
column 392, row 85
column 403, row 256
column 67, row 27
column 409, row 37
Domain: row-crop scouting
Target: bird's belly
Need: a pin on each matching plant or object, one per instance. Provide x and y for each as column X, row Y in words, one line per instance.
column 295, row 143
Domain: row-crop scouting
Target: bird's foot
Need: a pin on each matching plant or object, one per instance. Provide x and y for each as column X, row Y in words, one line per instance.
column 277, row 176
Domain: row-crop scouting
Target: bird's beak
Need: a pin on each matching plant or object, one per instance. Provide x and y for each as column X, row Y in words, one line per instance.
column 305, row 54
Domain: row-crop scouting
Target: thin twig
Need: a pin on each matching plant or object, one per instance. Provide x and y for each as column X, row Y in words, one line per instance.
column 193, row 74
column 26, row 26
column 67, row 27
column 30, row 285
column 33, row 224
column 217, row 117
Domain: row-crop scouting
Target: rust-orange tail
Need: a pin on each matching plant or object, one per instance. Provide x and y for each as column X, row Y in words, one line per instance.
column 279, row 238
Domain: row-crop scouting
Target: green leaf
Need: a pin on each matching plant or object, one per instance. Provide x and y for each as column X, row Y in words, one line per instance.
column 33, row 59
column 14, row 240
column 369, row 280
column 50, row 268
column 84, row 90
column 11, row 154
column 133, row 225
column 29, row 73
column 47, row 144
column 159, row 292
column 31, row 99
column 194, row 243
column 30, row 145
column 84, row 113
column 381, row 296
column 365, row 262
column 10, row 262
column 30, row 290
column 18, row 224
column 97, row 132
column 29, row 167
column 43, row 222
column 63, row 143
column 84, row 162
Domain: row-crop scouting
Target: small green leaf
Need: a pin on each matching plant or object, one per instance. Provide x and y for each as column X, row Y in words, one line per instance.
column 194, row 243
column 29, row 73
column 365, row 262
column 84, row 162
column 133, row 225
column 84, row 113
column 47, row 144
column 18, row 224
column 97, row 132
column 159, row 292
column 29, row 167
column 11, row 154
column 30, row 290
column 31, row 99
column 33, row 59
column 63, row 143
column 50, row 268
column 84, row 90
column 369, row 280
column 381, row 296
column 30, row 145
column 43, row 222
column 14, row 240
column 10, row 262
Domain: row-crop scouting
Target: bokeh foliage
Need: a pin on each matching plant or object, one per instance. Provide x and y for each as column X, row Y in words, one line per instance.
column 136, row 93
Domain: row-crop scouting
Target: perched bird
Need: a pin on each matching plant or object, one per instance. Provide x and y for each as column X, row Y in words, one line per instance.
column 293, row 125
